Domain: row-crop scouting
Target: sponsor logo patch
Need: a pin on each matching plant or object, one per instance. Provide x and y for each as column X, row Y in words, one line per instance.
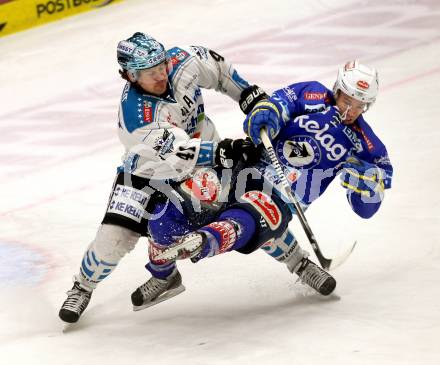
column 129, row 202
column 57, row 6
column 315, row 95
column 290, row 94
column 204, row 186
column 265, row 206
column 300, row 151
column 363, row 84
column 164, row 144
column 367, row 140
column 353, row 139
column 227, row 234
column 179, row 56
column 292, row 176
column 148, row 112
column 335, row 150
column 314, row 108
column 154, row 249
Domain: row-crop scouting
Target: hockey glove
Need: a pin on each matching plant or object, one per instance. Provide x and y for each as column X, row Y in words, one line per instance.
column 363, row 178
column 230, row 151
column 265, row 114
column 251, row 96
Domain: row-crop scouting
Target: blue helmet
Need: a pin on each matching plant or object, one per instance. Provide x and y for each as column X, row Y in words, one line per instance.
column 140, row 51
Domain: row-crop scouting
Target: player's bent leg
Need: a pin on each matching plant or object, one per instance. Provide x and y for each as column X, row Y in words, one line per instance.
column 233, row 230
column 166, row 281
column 246, row 225
column 286, row 250
column 100, row 259
column 212, row 239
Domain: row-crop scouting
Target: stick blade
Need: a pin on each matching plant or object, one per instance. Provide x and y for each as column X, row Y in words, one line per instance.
column 340, row 259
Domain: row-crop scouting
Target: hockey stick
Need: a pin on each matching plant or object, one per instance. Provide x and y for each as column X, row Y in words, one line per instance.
column 326, row 263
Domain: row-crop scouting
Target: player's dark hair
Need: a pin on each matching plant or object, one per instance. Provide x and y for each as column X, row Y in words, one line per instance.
column 124, row 75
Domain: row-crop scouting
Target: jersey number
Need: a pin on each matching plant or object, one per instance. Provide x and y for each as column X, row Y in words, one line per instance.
column 216, row 56
column 185, row 153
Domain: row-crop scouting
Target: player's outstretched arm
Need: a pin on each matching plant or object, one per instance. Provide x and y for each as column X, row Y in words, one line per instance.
column 364, row 182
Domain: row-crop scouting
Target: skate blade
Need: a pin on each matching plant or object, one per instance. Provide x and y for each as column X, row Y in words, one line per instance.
column 171, row 253
column 165, row 296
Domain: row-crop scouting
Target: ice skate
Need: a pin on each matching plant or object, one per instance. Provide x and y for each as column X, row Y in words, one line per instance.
column 315, row 277
column 156, row 290
column 189, row 246
column 78, row 299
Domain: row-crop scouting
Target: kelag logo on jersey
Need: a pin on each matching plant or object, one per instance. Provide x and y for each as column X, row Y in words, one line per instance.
column 320, row 133
column 299, row 151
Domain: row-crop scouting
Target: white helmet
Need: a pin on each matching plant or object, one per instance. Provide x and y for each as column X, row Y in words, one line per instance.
column 358, row 81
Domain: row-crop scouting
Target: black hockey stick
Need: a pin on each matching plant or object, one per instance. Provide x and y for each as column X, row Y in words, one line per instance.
column 326, row 263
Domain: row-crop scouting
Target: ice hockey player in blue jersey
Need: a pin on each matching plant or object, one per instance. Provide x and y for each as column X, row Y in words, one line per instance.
column 367, row 168
column 166, row 134
column 317, row 134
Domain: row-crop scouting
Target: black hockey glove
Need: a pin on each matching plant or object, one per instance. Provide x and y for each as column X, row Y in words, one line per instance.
column 251, row 96
column 230, row 151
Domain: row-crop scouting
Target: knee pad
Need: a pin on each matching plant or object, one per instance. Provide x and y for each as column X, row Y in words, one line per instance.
column 113, row 242
column 104, row 253
column 271, row 216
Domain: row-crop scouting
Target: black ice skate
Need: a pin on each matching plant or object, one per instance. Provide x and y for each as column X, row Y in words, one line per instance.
column 315, row 277
column 77, row 301
column 156, row 290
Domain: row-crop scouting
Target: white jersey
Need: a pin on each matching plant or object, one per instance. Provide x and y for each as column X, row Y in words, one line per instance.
column 164, row 137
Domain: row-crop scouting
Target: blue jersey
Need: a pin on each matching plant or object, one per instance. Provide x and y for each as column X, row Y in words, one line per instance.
column 313, row 145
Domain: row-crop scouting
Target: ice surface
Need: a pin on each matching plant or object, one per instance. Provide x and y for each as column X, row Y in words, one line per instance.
column 58, row 151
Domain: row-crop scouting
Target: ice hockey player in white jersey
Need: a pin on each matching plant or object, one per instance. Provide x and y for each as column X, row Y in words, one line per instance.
column 166, row 135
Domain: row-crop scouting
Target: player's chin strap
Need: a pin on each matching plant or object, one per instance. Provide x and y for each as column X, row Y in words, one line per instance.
column 326, row 263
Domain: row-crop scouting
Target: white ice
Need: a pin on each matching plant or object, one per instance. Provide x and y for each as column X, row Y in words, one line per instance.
column 59, row 149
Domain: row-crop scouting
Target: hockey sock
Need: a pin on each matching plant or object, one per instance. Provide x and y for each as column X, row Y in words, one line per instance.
column 285, row 250
column 93, row 270
column 160, row 269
